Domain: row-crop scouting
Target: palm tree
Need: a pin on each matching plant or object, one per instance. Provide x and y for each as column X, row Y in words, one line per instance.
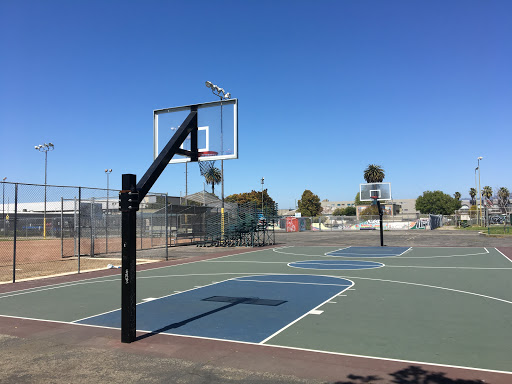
column 457, row 195
column 472, row 193
column 374, row 174
column 503, row 197
column 487, row 192
column 213, row 176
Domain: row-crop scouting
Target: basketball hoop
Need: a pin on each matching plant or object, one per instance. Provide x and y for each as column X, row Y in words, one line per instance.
column 374, row 199
column 206, row 165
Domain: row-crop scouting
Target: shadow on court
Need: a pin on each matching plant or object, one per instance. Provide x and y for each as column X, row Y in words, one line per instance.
column 232, row 302
column 409, row 375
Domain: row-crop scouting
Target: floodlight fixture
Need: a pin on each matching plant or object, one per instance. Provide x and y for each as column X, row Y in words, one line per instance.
column 208, row 84
column 480, row 158
column 45, row 148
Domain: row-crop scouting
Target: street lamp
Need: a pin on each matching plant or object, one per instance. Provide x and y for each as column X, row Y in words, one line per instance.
column 262, row 181
column 45, row 148
column 479, row 190
column 107, row 172
column 223, row 95
column 3, row 201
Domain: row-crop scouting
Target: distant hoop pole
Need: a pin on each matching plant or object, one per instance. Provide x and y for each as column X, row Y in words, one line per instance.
column 377, row 202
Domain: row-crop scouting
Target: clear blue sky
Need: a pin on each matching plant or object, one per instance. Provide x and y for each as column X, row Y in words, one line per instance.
column 325, row 88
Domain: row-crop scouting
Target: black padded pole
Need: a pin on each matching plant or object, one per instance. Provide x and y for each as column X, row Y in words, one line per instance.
column 381, row 226
column 128, row 238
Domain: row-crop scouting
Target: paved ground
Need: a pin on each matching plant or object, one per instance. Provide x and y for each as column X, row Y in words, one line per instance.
column 34, row 352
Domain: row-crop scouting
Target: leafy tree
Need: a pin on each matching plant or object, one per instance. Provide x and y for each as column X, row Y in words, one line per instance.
column 309, row 204
column 374, row 174
column 213, row 176
column 457, row 195
column 472, row 194
column 339, row 212
column 487, row 192
column 437, row 202
column 350, row 211
column 357, row 200
column 371, row 210
column 503, row 197
column 253, row 196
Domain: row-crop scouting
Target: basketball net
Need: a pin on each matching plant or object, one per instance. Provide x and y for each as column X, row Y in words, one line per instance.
column 206, row 166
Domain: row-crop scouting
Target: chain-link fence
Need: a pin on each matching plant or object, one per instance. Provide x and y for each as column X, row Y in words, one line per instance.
column 49, row 230
column 352, row 223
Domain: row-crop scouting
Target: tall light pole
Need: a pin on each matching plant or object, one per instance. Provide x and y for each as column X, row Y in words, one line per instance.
column 45, row 148
column 479, row 190
column 107, row 172
column 476, row 200
column 3, row 201
column 262, row 181
column 223, row 95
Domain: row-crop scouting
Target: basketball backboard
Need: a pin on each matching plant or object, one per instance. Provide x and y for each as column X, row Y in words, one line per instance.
column 217, row 124
column 369, row 190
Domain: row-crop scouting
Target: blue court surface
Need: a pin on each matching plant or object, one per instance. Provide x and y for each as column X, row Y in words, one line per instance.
column 369, row 252
column 249, row 309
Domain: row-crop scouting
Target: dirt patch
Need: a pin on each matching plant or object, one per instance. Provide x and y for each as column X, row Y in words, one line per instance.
column 58, row 267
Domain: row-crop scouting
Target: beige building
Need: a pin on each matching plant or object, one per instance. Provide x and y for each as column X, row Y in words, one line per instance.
column 405, row 206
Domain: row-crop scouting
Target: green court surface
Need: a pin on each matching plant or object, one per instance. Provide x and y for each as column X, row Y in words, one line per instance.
column 446, row 306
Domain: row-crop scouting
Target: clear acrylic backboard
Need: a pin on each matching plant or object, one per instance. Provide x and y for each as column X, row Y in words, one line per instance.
column 217, row 130
column 381, row 190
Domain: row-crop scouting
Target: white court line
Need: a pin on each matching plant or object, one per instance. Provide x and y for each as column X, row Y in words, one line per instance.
column 315, row 312
column 58, row 322
column 17, row 293
column 418, row 266
column 365, row 254
column 505, row 256
column 94, row 279
column 432, row 286
column 304, row 315
column 311, row 266
column 293, row 254
column 435, row 257
column 291, row 282
column 421, row 257
column 277, row 346
column 178, row 292
column 158, row 298
column 245, row 261
column 384, row 255
column 321, row 262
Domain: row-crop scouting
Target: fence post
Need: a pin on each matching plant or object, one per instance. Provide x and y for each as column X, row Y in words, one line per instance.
column 166, row 230
column 79, row 224
column 15, row 231
column 106, row 227
column 75, row 227
column 92, row 227
column 141, row 228
column 62, row 227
